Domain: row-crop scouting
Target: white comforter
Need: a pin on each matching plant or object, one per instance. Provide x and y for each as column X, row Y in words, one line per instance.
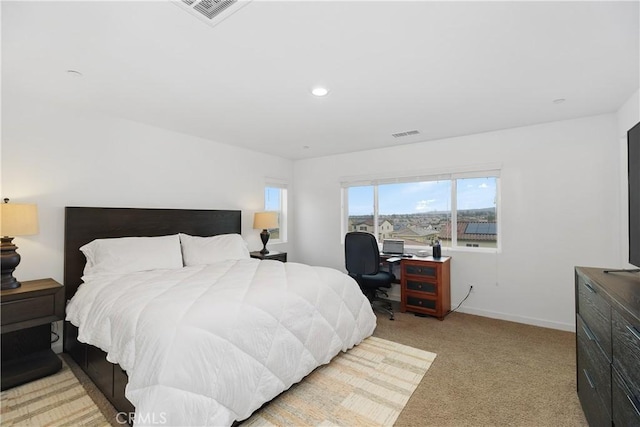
column 208, row 345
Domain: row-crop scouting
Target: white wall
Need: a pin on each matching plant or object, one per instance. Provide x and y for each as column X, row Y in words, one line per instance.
column 560, row 208
column 562, row 194
column 56, row 157
column 628, row 116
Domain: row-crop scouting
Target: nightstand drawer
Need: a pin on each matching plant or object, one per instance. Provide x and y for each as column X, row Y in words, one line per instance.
column 421, row 270
column 421, row 286
column 28, row 309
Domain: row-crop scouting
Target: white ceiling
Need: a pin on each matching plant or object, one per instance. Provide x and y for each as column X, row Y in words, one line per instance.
column 443, row 68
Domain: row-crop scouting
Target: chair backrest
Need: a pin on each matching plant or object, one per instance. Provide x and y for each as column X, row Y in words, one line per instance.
column 361, row 253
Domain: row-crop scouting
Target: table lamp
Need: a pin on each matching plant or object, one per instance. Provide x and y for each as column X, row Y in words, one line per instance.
column 15, row 220
column 265, row 221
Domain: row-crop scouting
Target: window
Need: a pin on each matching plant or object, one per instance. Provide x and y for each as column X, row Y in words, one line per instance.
column 459, row 210
column 477, row 212
column 360, row 209
column 275, row 200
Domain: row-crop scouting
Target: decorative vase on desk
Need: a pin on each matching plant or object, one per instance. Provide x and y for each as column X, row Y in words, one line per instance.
column 437, row 250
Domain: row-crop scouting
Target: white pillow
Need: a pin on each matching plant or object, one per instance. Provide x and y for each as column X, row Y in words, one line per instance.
column 132, row 254
column 207, row 250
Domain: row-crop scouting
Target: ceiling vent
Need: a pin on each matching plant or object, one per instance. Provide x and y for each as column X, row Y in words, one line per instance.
column 407, row 133
column 211, row 11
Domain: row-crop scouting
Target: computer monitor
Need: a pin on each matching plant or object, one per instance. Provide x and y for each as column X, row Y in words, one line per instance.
column 393, row 247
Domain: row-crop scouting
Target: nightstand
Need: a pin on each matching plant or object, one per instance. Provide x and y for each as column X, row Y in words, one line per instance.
column 26, row 315
column 278, row 256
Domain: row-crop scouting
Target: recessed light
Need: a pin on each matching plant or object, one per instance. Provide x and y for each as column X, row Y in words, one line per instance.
column 319, row 91
column 559, row 101
column 74, row 73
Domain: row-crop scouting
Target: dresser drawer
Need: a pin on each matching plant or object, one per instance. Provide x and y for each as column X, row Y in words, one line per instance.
column 596, row 313
column 422, row 286
column 28, row 309
column 594, row 377
column 424, row 270
column 626, row 407
column 626, row 351
column 420, row 303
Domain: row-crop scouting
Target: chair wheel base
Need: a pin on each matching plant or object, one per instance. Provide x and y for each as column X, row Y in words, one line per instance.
column 384, row 307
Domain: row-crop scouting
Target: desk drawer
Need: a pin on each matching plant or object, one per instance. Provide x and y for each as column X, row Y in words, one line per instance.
column 596, row 313
column 27, row 309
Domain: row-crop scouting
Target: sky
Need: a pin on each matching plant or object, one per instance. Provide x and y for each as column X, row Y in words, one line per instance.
column 272, row 199
column 422, row 197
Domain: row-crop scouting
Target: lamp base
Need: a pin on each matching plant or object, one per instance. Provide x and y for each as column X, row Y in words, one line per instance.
column 10, row 260
column 264, row 236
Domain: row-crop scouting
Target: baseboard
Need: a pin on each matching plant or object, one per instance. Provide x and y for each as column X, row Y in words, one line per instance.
column 394, row 295
column 569, row 327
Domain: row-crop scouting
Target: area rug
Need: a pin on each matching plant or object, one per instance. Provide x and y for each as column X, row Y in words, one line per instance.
column 56, row 400
column 367, row 386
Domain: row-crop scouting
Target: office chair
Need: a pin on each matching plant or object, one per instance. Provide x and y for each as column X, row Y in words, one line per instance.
column 362, row 259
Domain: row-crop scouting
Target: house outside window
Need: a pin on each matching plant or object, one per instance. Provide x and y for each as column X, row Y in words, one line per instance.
column 275, row 200
column 458, row 210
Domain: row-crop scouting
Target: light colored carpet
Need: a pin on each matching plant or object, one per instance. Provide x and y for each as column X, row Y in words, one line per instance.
column 56, row 400
column 367, row 386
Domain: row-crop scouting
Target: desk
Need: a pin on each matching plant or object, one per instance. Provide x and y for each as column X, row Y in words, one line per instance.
column 425, row 286
column 393, row 268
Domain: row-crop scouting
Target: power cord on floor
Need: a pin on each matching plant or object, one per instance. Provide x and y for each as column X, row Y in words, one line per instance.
column 463, row 300
column 54, row 333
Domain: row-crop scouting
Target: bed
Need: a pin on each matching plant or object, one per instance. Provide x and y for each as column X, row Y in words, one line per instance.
column 206, row 343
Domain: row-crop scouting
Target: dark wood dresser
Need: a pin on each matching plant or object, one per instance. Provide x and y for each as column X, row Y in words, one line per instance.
column 27, row 313
column 608, row 346
column 425, row 286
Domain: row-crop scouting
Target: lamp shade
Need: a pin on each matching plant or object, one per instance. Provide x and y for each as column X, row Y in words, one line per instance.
column 265, row 220
column 18, row 219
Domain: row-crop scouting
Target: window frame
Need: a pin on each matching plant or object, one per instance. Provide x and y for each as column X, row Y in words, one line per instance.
column 486, row 171
column 282, row 213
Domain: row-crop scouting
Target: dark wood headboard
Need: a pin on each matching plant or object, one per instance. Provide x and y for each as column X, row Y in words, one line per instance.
column 82, row 225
